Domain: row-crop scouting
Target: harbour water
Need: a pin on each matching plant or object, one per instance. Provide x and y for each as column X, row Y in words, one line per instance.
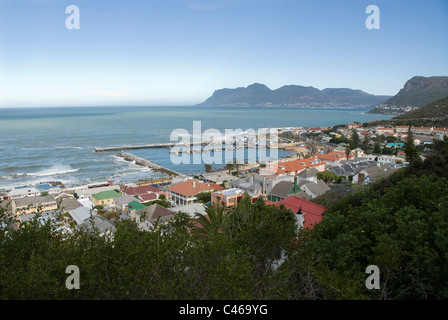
column 57, row 144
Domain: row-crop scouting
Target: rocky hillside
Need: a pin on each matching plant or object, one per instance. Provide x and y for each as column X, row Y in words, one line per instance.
column 416, row 93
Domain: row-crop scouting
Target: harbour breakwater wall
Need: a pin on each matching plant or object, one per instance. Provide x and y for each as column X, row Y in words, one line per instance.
column 146, row 163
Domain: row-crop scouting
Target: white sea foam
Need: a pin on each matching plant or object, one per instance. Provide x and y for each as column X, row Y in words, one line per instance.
column 54, row 170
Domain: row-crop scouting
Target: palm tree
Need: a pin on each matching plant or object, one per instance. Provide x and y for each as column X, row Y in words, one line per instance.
column 229, row 166
column 208, row 167
column 213, row 222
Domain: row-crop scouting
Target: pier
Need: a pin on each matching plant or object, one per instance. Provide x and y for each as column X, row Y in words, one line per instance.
column 146, row 146
column 146, row 163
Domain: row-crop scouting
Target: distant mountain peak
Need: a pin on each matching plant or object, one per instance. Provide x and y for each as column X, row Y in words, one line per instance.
column 259, row 95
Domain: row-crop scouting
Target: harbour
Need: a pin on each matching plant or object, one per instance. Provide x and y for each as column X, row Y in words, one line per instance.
column 147, row 163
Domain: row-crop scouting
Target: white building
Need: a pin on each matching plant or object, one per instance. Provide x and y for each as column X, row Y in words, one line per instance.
column 20, row 193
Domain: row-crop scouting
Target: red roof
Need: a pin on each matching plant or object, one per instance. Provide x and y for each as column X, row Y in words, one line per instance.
column 190, row 188
column 313, row 212
column 148, row 196
column 141, row 190
column 298, row 165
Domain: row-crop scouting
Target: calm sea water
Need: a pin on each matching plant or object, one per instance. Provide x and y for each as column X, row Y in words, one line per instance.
column 38, row 145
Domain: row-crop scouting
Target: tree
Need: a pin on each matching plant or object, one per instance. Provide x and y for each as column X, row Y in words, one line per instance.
column 327, row 176
column 355, row 139
column 229, row 166
column 365, row 144
column 348, row 150
column 377, row 148
column 409, row 147
column 208, row 167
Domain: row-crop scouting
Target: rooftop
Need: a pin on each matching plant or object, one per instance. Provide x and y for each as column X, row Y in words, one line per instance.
column 25, row 202
column 107, row 195
column 190, row 188
column 313, row 212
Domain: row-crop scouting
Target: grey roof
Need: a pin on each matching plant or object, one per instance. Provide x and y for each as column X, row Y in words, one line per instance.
column 318, row 188
column 302, row 195
column 69, row 204
column 101, row 224
column 218, row 177
column 23, row 191
column 378, row 172
column 190, row 209
column 125, row 199
column 282, row 189
column 155, row 211
column 308, row 173
column 25, row 202
column 80, row 215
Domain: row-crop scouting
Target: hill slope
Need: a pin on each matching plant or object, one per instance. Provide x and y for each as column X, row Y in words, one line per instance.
column 434, row 114
column 416, row 93
column 259, row 95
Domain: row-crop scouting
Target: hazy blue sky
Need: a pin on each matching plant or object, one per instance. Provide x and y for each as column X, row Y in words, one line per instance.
column 177, row 52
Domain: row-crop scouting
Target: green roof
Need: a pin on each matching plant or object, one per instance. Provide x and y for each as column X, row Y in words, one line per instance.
column 136, row 205
column 107, row 195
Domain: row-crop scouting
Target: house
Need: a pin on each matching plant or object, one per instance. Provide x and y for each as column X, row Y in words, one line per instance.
column 135, row 206
column 372, row 174
column 332, row 157
column 67, row 203
column 29, row 205
column 292, row 167
column 283, row 190
column 308, row 214
column 147, row 197
column 19, row 193
column 401, row 129
column 105, row 198
column 351, row 167
column 88, row 192
column 192, row 209
column 422, row 130
column 384, row 130
column 121, row 203
column 143, row 192
column 259, row 184
column 309, row 174
column 49, row 217
column 358, row 152
column 230, row 197
column 80, row 215
column 217, row 177
column 146, row 217
column 186, row 192
column 103, row 226
column 440, row 133
column 315, row 189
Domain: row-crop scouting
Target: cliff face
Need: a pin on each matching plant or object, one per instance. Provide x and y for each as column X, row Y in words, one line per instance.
column 259, row 95
column 417, row 92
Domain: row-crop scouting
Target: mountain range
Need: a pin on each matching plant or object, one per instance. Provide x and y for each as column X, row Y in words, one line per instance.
column 416, row 93
column 294, row 96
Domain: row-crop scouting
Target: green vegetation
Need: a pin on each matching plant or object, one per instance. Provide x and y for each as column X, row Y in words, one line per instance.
column 204, row 197
column 253, row 251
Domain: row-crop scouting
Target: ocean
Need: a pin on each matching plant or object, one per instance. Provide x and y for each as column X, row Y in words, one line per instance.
column 39, row 145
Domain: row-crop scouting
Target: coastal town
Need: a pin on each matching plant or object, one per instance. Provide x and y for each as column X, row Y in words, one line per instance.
column 323, row 160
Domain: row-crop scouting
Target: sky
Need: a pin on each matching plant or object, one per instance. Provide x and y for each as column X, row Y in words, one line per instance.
column 177, row 52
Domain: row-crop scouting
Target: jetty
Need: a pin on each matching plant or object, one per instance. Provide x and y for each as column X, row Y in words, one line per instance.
column 146, row 163
column 146, row 146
